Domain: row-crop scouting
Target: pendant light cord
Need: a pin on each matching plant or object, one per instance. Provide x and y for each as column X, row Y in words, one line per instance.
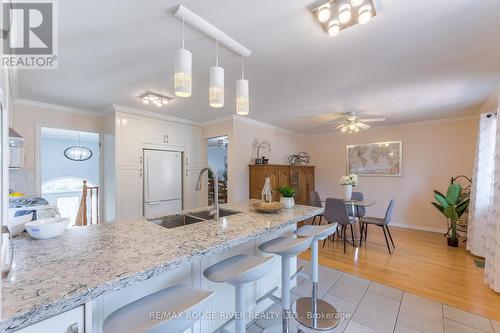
column 217, row 53
column 183, row 31
column 242, row 68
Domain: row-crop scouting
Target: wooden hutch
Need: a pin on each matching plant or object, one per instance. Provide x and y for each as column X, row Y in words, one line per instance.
column 299, row 177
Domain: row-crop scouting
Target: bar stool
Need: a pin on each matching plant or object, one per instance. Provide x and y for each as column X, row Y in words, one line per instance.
column 238, row 271
column 313, row 312
column 162, row 311
column 286, row 247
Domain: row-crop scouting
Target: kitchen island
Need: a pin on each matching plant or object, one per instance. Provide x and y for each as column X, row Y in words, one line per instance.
column 103, row 266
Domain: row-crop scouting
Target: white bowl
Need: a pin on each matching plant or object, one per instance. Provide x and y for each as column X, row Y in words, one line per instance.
column 16, row 223
column 47, row 228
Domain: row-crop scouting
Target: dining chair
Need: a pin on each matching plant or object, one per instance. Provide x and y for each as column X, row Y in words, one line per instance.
column 336, row 211
column 315, row 201
column 380, row 222
column 359, row 211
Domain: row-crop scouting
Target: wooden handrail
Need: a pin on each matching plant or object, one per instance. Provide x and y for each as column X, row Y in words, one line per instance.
column 81, row 218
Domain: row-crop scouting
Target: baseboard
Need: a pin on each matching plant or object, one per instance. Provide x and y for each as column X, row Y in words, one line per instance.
column 414, row 227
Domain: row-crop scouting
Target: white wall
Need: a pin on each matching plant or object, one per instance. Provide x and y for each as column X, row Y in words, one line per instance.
column 25, row 119
column 433, row 152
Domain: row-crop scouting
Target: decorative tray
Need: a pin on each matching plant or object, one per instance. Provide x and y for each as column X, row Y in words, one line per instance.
column 268, row 207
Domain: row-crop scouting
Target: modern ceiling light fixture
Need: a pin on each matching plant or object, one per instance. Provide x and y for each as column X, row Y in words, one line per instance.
column 346, row 14
column 353, row 124
column 149, row 97
column 183, row 68
column 242, row 95
column 216, row 91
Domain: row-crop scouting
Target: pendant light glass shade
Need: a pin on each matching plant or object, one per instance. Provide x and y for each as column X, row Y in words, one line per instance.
column 216, row 92
column 242, row 98
column 182, row 76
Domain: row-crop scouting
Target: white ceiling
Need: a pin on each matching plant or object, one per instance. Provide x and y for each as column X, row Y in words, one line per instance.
column 417, row 60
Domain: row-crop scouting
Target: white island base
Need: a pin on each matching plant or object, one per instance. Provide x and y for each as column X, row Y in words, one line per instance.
column 222, row 304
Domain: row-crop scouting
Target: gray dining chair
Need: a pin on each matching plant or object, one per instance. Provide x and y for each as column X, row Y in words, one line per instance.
column 336, row 211
column 315, row 201
column 379, row 222
column 359, row 211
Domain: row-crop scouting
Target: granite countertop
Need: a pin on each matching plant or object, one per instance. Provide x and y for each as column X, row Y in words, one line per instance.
column 55, row 275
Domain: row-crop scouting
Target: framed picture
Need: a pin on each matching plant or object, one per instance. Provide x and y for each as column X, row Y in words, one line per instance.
column 375, row 159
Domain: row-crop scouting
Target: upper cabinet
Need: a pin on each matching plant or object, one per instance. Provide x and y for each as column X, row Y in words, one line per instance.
column 192, row 141
column 128, row 139
column 161, row 133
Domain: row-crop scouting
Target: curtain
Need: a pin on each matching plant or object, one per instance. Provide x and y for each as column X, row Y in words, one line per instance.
column 484, row 212
column 482, row 185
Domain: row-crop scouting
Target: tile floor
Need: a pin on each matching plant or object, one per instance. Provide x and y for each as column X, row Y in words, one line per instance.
column 370, row 307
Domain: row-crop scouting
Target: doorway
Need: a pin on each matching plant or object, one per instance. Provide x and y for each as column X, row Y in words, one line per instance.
column 67, row 159
column 217, row 159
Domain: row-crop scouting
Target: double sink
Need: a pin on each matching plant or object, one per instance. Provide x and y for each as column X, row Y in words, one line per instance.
column 175, row 221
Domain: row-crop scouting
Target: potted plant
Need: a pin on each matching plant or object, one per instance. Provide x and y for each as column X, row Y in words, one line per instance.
column 287, row 194
column 348, row 182
column 452, row 207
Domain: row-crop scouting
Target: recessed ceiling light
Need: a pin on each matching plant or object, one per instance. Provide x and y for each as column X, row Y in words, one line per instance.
column 324, row 13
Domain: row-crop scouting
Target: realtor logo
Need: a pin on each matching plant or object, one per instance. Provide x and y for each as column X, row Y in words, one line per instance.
column 29, row 34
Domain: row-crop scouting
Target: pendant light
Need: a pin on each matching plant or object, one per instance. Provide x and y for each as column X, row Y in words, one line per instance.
column 216, row 92
column 242, row 96
column 183, row 67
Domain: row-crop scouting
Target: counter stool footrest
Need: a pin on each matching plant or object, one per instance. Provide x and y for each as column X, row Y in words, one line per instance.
column 269, row 295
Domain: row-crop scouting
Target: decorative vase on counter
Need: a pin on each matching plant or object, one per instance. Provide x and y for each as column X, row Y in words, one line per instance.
column 287, row 202
column 347, row 192
column 267, row 191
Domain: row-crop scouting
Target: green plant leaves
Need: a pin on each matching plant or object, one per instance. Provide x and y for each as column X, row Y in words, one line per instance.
column 453, row 194
column 441, row 199
column 287, row 191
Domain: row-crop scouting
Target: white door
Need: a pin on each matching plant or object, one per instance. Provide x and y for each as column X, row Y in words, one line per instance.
column 129, row 193
column 163, row 176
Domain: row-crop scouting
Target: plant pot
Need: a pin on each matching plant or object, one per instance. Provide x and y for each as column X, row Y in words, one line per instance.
column 287, row 202
column 453, row 242
column 347, row 192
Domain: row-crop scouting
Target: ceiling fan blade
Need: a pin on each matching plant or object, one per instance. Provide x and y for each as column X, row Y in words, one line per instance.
column 333, row 122
column 371, row 120
column 339, row 126
column 363, row 126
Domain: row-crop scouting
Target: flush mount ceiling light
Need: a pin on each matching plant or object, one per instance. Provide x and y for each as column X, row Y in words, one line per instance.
column 346, row 13
column 183, row 68
column 149, row 97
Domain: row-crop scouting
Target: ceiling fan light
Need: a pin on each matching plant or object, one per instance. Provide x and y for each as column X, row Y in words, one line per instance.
column 365, row 14
column 216, row 91
column 182, row 75
column 333, row 28
column 344, row 129
column 357, row 3
column 324, row 13
column 345, row 14
column 356, row 129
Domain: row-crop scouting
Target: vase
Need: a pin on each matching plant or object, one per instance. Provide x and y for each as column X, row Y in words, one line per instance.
column 347, row 192
column 287, row 202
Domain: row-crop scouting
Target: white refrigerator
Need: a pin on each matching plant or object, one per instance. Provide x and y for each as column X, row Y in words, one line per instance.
column 162, row 182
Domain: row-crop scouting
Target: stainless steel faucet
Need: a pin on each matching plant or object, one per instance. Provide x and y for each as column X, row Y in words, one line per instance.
column 215, row 210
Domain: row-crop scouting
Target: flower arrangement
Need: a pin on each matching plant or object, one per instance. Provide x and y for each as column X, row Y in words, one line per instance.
column 351, row 179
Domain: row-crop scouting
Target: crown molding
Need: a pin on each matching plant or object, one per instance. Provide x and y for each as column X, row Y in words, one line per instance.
column 57, row 107
column 149, row 114
column 217, row 120
column 491, row 104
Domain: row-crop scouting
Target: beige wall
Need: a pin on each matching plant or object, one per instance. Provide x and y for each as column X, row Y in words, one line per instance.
column 25, row 118
column 432, row 153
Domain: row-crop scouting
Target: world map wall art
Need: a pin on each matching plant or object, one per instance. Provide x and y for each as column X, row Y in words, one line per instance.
column 375, row 159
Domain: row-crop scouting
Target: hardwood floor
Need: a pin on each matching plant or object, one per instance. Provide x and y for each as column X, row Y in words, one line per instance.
column 422, row 264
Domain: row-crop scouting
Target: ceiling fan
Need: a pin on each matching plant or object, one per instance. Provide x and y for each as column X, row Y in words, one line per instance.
column 352, row 123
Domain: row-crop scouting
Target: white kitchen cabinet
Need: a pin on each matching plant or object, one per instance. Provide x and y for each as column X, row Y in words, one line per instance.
column 161, row 132
column 128, row 139
column 129, row 192
column 192, row 141
column 67, row 322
